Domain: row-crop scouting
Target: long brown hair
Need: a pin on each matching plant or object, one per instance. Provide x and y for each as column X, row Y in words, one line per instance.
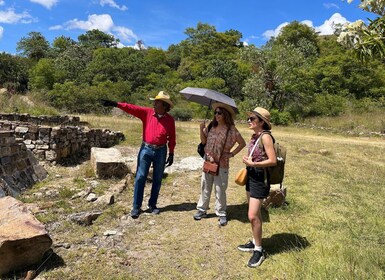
column 229, row 121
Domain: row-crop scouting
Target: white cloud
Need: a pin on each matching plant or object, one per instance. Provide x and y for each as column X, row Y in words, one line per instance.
column 46, row 3
column 9, row 16
column 2, row 2
column 1, row 32
column 112, row 4
column 331, row 6
column 101, row 22
column 125, row 34
column 274, row 33
column 327, row 28
column 56, row 27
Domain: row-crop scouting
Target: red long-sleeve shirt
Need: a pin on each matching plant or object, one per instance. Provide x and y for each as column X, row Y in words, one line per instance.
column 156, row 130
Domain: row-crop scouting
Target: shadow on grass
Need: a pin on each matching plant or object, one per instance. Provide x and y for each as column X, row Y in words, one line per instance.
column 186, row 206
column 239, row 212
column 50, row 261
column 283, row 242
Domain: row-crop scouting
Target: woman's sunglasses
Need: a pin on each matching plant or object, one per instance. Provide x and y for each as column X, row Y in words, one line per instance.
column 251, row 119
column 217, row 113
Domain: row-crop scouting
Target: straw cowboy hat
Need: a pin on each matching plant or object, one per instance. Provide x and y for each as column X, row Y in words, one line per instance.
column 225, row 106
column 263, row 114
column 164, row 97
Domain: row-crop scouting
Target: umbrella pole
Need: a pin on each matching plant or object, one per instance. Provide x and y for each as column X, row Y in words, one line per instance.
column 208, row 109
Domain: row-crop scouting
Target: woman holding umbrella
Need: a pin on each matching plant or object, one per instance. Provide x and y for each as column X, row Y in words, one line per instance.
column 220, row 137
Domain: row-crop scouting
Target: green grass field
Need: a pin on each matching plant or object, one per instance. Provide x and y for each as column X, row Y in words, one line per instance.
column 332, row 228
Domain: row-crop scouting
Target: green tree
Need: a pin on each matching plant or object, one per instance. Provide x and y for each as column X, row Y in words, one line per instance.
column 97, row 39
column 126, row 64
column 230, row 73
column 204, row 42
column 209, row 54
column 72, row 61
column 174, row 56
column 35, row 46
column 13, row 72
column 61, row 44
column 338, row 72
column 42, row 75
column 300, row 36
column 280, row 76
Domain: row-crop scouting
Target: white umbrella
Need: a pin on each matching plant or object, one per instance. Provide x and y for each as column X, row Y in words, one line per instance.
column 206, row 97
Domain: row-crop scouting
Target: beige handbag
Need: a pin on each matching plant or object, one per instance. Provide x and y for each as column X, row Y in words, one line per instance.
column 241, row 177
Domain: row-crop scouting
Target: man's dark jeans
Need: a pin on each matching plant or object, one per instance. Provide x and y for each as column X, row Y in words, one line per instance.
column 147, row 156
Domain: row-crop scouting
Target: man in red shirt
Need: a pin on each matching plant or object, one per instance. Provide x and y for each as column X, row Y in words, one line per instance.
column 158, row 133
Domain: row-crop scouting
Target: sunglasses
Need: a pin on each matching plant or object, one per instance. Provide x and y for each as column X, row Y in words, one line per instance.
column 251, row 119
column 218, row 113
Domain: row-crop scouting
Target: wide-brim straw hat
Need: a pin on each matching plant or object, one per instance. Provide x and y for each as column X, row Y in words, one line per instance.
column 164, row 97
column 263, row 114
column 224, row 106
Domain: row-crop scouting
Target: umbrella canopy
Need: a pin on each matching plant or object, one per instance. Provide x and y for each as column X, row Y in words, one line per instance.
column 206, row 97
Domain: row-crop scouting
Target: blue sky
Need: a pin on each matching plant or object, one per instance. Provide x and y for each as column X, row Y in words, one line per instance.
column 163, row 22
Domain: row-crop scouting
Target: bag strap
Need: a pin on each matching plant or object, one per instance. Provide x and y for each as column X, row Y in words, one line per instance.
column 252, row 150
column 265, row 169
column 260, row 137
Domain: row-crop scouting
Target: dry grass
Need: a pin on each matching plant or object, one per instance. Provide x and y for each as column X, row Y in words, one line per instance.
column 333, row 227
column 366, row 122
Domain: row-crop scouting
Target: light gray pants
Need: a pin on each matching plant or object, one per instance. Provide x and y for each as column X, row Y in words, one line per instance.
column 220, row 183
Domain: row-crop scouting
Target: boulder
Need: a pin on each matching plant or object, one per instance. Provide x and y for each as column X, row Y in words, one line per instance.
column 108, row 163
column 23, row 239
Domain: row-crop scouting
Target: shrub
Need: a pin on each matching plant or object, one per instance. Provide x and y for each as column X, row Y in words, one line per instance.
column 366, row 105
column 181, row 114
column 327, row 105
column 280, row 118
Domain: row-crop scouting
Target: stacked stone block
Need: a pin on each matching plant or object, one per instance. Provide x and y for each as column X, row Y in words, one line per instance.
column 18, row 167
column 57, row 143
column 41, row 120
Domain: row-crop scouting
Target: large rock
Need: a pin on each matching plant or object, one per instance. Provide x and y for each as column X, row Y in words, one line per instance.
column 23, row 239
column 108, row 163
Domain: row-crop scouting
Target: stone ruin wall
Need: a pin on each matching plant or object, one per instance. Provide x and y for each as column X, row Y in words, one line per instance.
column 24, row 140
column 57, row 138
column 19, row 169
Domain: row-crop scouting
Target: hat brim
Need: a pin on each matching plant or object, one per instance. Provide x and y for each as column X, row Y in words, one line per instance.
column 168, row 101
column 250, row 113
column 225, row 106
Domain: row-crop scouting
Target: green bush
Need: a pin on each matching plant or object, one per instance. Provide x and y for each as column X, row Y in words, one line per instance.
column 327, row 105
column 181, row 114
column 280, row 118
column 366, row 105
column 84, row 99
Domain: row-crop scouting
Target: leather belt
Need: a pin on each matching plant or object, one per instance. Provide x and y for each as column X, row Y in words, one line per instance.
column 154, row 147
